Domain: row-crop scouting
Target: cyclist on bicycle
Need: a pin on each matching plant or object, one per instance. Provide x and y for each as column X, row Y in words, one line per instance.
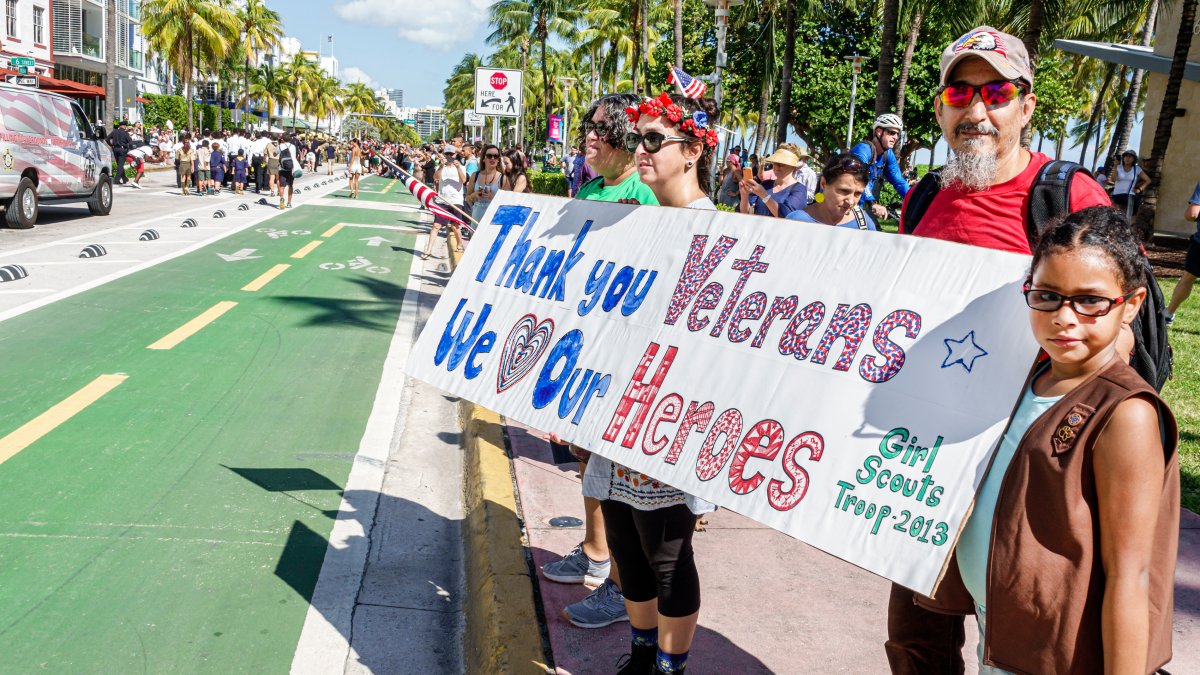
column 877, row 154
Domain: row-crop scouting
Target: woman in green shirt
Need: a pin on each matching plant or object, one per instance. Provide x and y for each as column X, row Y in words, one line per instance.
column 603, row 130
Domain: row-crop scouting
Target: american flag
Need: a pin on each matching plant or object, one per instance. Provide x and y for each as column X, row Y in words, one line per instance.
column 428, row 198
column 691, row 86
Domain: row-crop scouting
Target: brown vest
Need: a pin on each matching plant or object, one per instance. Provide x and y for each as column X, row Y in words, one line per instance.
column 1045, row 581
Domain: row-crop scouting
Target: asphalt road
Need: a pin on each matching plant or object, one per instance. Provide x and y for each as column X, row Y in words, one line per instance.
column 212, row 459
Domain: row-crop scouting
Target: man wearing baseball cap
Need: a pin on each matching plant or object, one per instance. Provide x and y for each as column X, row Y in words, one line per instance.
column 980, row 198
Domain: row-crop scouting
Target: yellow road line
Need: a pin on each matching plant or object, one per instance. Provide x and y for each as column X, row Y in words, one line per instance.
column 192, row 327
column 43, row 424
column 333, row 230
column 307, row 248
column 390, row 185
column 265, row 278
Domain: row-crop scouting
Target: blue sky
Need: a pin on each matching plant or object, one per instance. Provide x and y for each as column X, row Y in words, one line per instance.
column 398, row 44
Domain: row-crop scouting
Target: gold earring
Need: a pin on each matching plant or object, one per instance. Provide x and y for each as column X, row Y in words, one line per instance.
column 819, row 198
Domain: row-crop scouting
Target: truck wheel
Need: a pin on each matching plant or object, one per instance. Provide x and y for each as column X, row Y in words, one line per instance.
column 101, row 202
column 22, row 211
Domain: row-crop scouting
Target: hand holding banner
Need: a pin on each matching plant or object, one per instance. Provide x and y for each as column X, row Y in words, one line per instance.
column 842, row 387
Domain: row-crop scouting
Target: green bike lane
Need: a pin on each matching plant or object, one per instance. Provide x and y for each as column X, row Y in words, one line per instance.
column 179, row 521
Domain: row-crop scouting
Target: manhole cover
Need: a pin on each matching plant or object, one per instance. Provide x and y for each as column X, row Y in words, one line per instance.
column 565, row 521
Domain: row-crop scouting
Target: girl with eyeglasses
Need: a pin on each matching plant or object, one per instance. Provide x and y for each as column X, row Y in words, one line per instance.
column 842, row 183
column 485, row 182
column 1068, row 557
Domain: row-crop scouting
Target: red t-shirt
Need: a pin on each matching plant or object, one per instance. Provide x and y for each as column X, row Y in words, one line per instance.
column 995, row 218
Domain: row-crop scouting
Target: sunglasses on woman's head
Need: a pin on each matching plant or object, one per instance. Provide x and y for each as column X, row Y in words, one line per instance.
column 651, row 140
column 998, row 92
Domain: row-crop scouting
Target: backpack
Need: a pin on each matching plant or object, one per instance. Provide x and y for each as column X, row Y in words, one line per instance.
column 285, row 159
column 1050, row 197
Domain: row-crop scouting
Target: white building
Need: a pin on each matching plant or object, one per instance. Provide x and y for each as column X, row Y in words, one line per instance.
column 79, row 48
column 427, row 121
column 26, row 34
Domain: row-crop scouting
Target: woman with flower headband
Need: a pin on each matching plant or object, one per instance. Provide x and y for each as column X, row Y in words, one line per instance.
column 649, row 525
column 673, row 147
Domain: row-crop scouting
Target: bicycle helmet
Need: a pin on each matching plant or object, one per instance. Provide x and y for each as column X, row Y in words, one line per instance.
column 888, row 121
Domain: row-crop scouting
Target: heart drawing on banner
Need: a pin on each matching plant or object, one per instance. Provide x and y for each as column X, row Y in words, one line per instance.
column 524, row 346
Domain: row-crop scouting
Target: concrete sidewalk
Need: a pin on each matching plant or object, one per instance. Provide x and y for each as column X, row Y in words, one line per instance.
column 771, row 604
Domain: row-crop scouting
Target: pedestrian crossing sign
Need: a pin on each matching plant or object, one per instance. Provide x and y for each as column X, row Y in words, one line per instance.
column 498, row 92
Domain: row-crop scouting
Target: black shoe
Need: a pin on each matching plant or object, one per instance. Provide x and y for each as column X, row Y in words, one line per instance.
column 641, row 661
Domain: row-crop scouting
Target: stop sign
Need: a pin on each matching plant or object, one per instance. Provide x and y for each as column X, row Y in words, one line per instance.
column 499, row 80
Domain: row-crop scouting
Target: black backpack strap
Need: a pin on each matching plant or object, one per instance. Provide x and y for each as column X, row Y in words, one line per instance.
column 919, row 199
column 860, row 217
column 1050, row 196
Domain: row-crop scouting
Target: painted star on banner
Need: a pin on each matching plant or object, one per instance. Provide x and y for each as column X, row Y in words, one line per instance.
column 963, row 352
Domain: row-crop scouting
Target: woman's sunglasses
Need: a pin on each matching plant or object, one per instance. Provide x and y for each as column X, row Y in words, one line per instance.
column 602, row 129
column 491, row 155
column 999, row 92
column 651, row 140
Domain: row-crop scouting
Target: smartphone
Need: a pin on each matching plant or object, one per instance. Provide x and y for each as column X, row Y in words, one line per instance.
column 747, row 173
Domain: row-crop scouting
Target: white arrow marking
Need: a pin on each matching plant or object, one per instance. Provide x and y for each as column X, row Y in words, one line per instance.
column 375, row 241
column 243, row 254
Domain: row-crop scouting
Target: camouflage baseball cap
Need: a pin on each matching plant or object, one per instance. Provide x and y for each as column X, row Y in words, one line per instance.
column 1006, row 53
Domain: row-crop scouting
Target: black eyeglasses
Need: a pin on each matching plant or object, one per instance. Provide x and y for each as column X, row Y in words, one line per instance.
column 602, row 129
column 651, row 140
column 491, row 155
column 1083, row 305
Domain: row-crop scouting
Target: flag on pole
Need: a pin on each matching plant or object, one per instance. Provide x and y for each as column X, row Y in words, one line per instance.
column 690, row 86
column 428, row 198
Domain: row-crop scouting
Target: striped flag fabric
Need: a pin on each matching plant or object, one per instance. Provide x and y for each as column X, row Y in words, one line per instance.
column 692, row 87
column 428, row 198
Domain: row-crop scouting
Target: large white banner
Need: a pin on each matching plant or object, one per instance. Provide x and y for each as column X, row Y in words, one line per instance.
column 844, row 387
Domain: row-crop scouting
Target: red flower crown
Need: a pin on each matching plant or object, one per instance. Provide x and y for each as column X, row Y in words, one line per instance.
column 696, row 125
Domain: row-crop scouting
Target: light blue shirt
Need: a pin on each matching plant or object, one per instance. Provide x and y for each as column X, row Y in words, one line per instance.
column 802, row 216
column 976, row 540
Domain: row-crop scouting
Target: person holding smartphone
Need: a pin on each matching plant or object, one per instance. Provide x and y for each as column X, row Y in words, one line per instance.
column 485, row 182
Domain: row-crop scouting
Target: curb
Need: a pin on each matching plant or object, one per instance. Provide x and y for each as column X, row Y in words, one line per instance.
column 501, row 634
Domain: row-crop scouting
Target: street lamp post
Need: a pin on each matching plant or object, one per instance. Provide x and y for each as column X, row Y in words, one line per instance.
column 567, row 83
column 721, row 14
column 856, row 68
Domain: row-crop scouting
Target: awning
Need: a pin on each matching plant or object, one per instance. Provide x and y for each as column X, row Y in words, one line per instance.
column 1135, row 56
column 65, row 87
column 139, row 99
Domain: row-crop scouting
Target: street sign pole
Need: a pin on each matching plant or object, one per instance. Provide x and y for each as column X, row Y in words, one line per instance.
column 563, row 133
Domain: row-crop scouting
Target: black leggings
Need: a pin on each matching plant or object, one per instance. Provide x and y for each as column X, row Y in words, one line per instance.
column 653, row 551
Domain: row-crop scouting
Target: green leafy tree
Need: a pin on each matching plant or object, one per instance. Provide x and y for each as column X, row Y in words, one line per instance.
column 187, row 32
column 262, row 30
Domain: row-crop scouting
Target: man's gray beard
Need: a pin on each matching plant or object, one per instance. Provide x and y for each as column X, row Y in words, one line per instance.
column 973, row 170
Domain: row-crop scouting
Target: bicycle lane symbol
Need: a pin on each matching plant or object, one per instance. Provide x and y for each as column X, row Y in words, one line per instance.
column 358, row 263
column 278, row 234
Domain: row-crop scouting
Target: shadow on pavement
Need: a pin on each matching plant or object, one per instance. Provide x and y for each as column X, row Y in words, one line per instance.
column 582, row 651
column 401, row 610
column 377, row 313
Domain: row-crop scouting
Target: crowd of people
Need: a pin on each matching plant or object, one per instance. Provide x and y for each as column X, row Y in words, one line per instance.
column 1086, row 588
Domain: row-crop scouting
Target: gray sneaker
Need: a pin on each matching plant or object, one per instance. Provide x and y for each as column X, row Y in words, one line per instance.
column 576, row 568
column 605, row 606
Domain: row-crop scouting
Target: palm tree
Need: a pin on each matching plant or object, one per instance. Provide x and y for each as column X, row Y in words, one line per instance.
column 327, row 98
column 677, row 10
column 267, row 86
column 542, row 19
column 298, row 71
column 1129, row 108
column 785, row 84
column 885, row 94
column 1166, row 118
column 359, row 99
column 262, row 30
column 181, row 30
